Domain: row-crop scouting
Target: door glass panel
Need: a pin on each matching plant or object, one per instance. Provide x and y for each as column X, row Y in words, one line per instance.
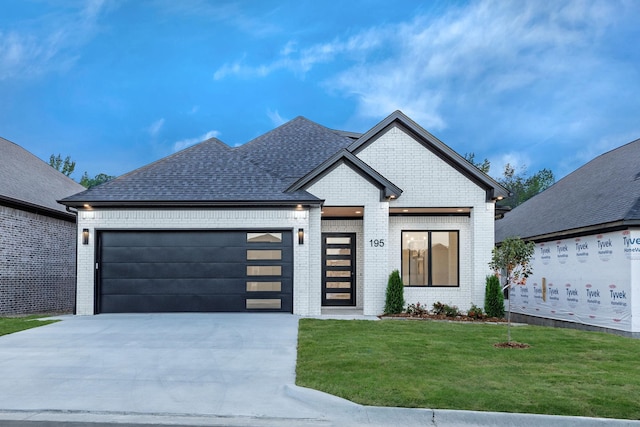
column 339, row 285
column 264, row 286
column 338, row 251
column 338, row 296
column 338, row 240
column 264, row 270
column 264, row 237
column 274, row 303
column 264, row 254
column 338, row 274
column 338, row 262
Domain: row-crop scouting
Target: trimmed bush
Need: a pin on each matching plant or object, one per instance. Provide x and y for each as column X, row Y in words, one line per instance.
column 394, row 302
column 493, row 297
column 475, row 312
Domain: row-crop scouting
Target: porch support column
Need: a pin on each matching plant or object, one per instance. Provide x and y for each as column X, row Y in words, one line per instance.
column 376, row 256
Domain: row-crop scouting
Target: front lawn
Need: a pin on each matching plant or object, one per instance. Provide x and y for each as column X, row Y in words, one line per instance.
column 9, row 325
column 441, row 365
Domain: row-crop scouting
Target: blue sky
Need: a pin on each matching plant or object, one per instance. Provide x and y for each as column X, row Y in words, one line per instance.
column 119, row 84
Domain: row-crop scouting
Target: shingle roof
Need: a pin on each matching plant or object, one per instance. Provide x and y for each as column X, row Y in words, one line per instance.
column 261, row 171
column 25, row 179
column 294, row 149
column 209, row 172
column 603, row 193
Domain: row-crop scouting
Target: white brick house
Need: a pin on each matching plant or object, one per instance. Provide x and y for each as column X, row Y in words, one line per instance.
column 297, row 220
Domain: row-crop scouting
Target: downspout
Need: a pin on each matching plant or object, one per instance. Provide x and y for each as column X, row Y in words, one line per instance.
column 75, row 285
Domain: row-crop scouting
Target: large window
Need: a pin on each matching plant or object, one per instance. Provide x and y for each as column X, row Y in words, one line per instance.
column 430, row 258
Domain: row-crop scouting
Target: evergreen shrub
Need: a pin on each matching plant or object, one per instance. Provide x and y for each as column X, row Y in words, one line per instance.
column 493, row 297
column 394, row 302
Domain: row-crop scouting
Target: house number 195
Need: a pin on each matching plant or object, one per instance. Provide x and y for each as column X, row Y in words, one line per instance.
column 377, row 243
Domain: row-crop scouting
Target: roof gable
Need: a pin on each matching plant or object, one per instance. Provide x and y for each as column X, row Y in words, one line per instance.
column 388, row 189
column 493, row 189
column 603, row 193
column 30, row 182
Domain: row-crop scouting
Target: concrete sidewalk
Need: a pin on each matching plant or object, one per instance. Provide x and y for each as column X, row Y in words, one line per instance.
column 189, row 369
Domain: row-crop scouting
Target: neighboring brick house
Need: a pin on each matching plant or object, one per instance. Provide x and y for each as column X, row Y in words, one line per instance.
column 37, row 235
column 300, row 220
column 586, row 266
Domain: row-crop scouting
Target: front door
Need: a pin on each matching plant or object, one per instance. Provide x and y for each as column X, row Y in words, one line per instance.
column 338, row 269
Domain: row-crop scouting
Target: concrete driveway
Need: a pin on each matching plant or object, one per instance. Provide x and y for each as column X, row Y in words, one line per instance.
column 222, row 364
column 189, row 369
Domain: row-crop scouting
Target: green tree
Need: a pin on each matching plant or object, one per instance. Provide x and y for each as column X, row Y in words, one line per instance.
column 513, row 258
column 524, row 187
column 493, row 297
column 65, row 166
column 484, row 166
column 521, row 186
column 394, row 303
column 101, row 178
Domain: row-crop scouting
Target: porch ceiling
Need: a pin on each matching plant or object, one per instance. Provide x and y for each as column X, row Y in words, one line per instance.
column 342, row 211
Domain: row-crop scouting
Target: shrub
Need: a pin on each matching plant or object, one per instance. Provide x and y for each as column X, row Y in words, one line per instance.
column 475, row 312
column 416, row 309
column 493, row 297
column 445, row 309
column 394, row 302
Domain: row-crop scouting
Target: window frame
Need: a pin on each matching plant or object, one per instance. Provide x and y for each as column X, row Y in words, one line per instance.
column 429, row 260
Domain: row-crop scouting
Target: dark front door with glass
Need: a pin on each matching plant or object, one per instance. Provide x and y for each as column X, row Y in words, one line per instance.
column 338, row 269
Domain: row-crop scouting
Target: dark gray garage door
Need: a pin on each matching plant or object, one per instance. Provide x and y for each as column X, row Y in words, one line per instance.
column 187, row 271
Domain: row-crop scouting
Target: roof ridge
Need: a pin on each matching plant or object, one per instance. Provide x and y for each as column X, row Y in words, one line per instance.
column 241, row 147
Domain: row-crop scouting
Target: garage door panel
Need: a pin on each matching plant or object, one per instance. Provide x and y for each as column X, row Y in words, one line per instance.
column 163, row 254
column 173, row 286
column 172, row 270
column 194, row 271
column 131, row 239
column 171, row 303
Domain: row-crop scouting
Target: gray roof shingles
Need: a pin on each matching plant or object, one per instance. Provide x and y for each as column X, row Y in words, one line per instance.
column 26, row 178
column 294, row 149
column 210, row 171
column 604, row 191
column 259, row 171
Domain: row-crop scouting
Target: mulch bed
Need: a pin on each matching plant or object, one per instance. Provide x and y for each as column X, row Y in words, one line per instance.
column 442, row 317
column 511, row 344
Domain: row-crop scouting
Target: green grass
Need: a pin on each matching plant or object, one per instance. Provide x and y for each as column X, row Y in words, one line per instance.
column 9, row 325
column 442, row 365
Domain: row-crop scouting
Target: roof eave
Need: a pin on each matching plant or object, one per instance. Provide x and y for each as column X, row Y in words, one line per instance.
column 583, row 231
column 37, row 209
column 192, row 203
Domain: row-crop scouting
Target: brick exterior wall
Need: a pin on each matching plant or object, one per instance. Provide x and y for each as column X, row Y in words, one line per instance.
column 37, row 263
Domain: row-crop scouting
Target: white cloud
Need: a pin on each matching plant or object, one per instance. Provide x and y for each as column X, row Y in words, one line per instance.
column 36, row 47
column 276, row 118
column 486, row 49
column 187, row 142
column 155, row 127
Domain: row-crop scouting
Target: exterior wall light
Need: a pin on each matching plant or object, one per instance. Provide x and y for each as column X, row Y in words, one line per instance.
column 300, row 236
column 85, row 236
